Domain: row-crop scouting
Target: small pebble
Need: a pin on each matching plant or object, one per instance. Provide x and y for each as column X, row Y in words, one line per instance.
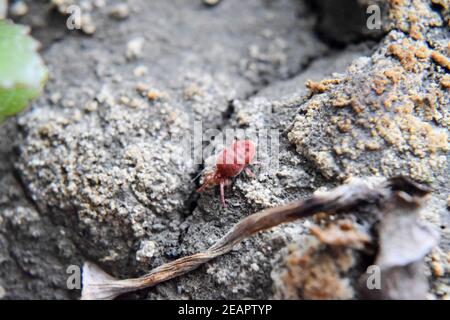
column 87, row 25
column 211, row 2
column 125, row 100
column 55, row 97
column 119, row 11
column 254, row 267
column 99, row 3
column 140, row 71
column 134, row 48
column 91, row 106
column 438, row 270
column 152, row 95
column 18, row 9
column 147, row 250
column 142, row 88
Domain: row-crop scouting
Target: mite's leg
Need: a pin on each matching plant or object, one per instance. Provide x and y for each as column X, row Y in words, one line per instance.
column 207, row 181
column 249, row 173
column 222, row 193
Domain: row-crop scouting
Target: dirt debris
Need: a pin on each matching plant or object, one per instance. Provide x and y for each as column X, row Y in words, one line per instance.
column 134, row 48
column 316, row 275
column 119, row 11
column 341, row 233
column 18, row 9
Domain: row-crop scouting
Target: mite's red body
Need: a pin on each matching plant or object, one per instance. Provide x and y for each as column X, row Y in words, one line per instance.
column 230, row 162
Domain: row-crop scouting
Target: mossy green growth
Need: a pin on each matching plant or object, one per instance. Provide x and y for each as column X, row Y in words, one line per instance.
column 22, row 72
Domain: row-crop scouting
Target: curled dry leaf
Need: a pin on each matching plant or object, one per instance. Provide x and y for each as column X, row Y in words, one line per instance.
column 99, row 285
column 403, row 243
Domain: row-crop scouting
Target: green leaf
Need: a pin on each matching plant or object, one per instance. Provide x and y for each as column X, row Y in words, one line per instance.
column 22, row 72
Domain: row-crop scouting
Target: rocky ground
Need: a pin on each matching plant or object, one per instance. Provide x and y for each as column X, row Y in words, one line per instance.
column 91, row 170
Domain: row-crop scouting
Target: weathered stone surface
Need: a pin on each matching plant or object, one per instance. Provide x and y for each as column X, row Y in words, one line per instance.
column 34, row 252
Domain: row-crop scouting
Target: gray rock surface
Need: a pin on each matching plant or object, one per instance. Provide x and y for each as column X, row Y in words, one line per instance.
column 95, row 174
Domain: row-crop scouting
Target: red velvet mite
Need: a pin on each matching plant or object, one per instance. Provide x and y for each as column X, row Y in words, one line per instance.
column 230, row 162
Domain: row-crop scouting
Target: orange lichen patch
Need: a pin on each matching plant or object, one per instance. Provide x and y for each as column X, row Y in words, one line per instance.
column 404, row 109
column 342, row 233
column 445, row 82
column 414, row 32
column 397, row 2
column 379, row 85
column 341, row 102
column 419, row 171
column 313, row 105
column 417, row 98
column 321, row 217
column 321, row 86
column 343, row 148
column 372, row 145
column 408, row 16
column 436, row 264
column 438, row 141
column 421, row 136
column 440, row 59
column 344, row 125
column 422, row 52
column 389, row 100
column 316, row 274
column 386, row 106
column 437, row 269
column 152, row 95
column 356, row 106
column 426, row 105
column 405, row 54
column 412, row 18
column 394, row 74
column 389, row 131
